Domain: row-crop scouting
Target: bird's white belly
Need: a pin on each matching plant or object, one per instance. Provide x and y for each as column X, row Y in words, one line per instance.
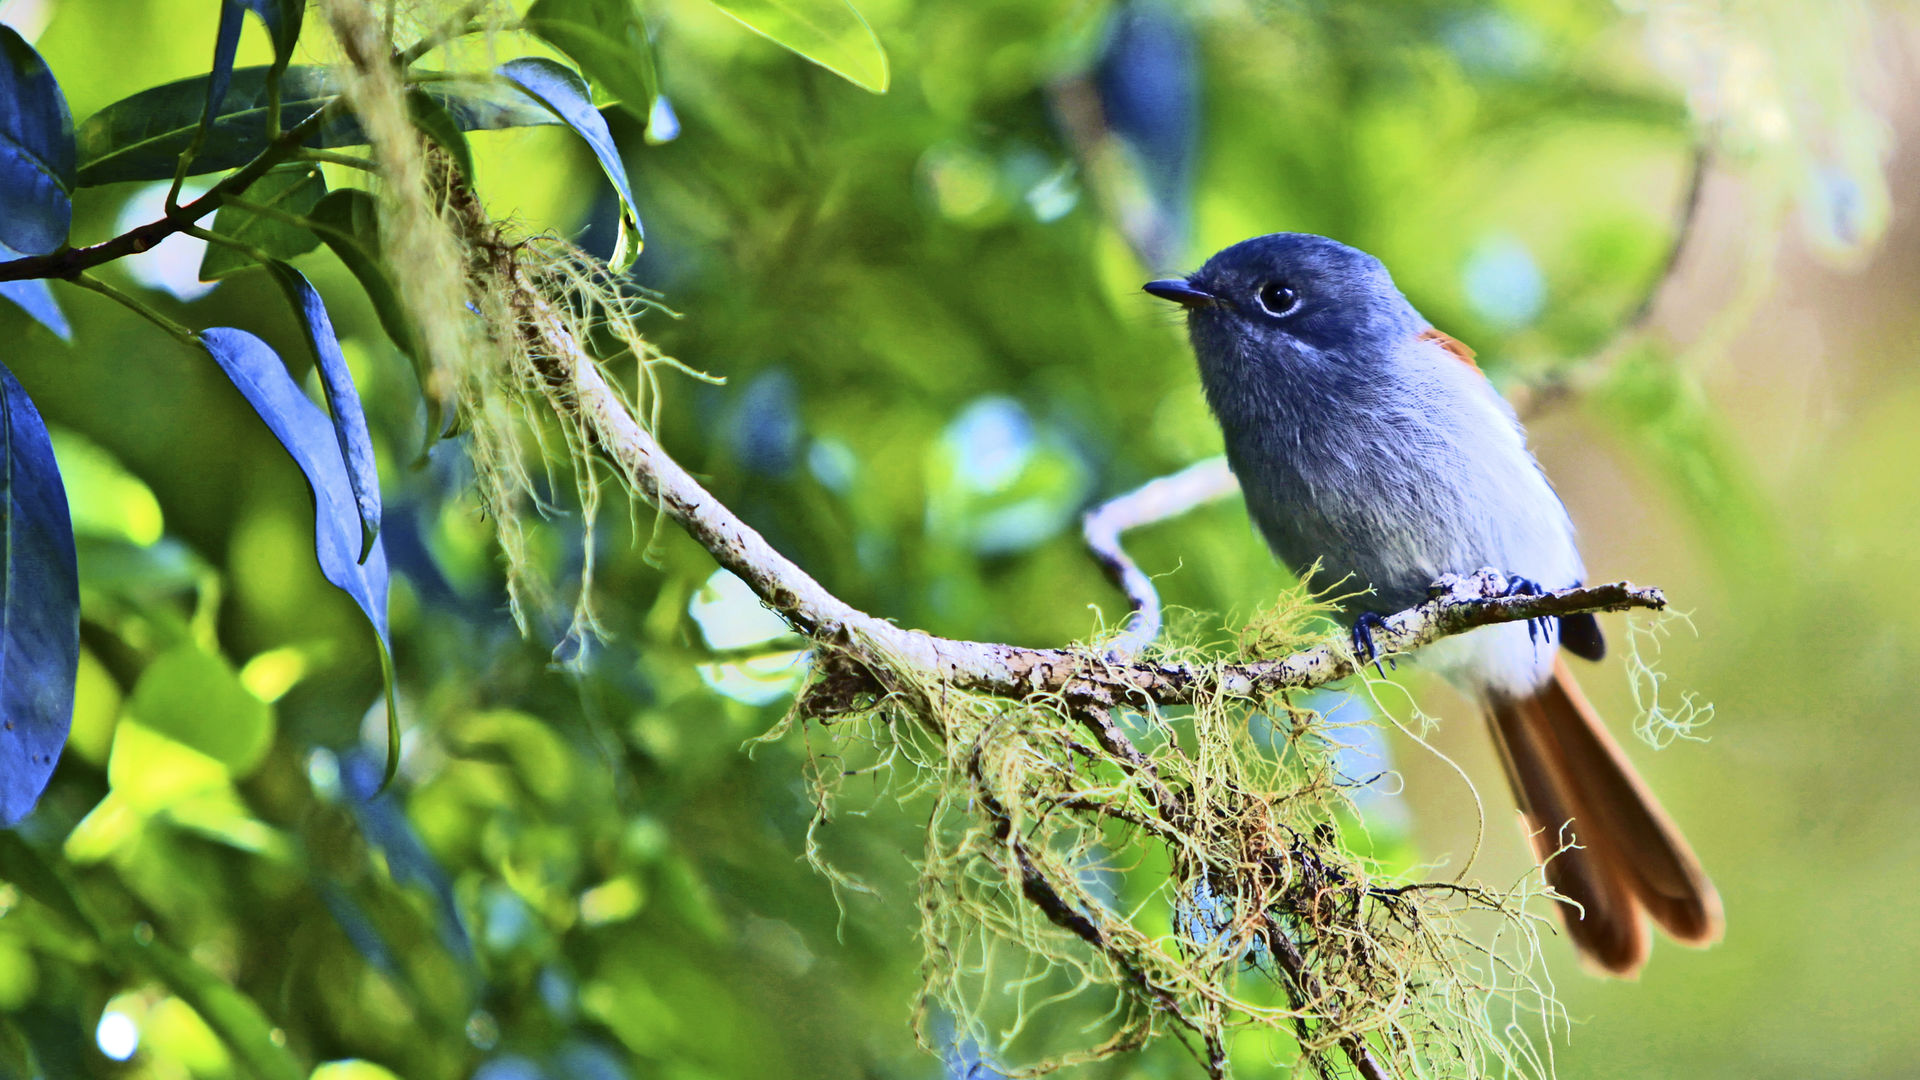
column 1503, row 659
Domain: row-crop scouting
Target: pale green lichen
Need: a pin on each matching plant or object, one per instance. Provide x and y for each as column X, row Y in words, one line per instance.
column 1439, row 978
column 1660, row 723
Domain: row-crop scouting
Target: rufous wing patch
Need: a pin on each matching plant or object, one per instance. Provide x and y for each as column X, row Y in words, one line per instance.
column 1452, row 344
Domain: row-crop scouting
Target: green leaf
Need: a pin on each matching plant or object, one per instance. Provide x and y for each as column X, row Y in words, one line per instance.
column 830, row 33
column 194, row 698
column 437, row 124
column 22, row 866
column 292, row 188
column 608, row 39
column 561, row 89
column 348, row 221
column 281, row 18
column 16, row 1054
column 235, row 1017
column 141, row 137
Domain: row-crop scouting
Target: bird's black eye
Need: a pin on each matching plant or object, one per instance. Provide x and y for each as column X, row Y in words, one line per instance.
column 1278, row 298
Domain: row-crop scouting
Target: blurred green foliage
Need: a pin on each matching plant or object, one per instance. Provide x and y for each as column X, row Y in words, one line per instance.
column 925, row 306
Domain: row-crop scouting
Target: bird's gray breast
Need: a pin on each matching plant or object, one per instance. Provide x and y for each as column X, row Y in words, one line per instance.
column 1392, row 481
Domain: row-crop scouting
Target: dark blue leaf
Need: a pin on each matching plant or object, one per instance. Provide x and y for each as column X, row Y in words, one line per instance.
column 384, row 823
column 561, row 89
column 307, row 435
column 36, row 299
column 282, row 20
column 141, row 137
column 348, row 220
column 1149, row 85
column 359, row 928
column 225, row 42
column 39, row 606
column 36, row 151
column 349, row 419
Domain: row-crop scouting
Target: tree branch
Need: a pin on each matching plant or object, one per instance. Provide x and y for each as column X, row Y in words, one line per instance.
column 859, row 649
column 66, row 264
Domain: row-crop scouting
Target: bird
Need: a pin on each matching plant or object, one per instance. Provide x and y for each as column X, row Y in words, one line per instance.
column 1370, row 445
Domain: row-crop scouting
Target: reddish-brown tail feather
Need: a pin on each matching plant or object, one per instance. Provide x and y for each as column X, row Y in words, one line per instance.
column 1576, row 787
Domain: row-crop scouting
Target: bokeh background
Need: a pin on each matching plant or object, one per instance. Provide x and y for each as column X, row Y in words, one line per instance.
column 1695, row 220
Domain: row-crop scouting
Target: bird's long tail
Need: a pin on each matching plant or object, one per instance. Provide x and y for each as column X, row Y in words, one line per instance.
column 1603, row 839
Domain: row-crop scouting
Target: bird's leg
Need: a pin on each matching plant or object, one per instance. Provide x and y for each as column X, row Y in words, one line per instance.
column 1363, row 646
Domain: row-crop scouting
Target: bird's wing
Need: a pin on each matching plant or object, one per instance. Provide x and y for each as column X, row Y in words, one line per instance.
column 1454, row 345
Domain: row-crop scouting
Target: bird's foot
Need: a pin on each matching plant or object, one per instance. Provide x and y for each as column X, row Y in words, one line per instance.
column 1520, row 586
column 1363, row 644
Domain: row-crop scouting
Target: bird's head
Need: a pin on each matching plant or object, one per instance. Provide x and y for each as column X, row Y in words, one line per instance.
column 1292, row 297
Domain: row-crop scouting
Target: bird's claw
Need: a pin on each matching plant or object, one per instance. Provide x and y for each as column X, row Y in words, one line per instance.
column 1363, row 644
column 1520, row 586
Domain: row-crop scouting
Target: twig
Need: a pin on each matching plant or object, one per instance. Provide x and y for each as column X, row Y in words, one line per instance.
column 351, row 161
column 1305, row 991
column 461, row 24
column 1060, row 911
column 1156, row 500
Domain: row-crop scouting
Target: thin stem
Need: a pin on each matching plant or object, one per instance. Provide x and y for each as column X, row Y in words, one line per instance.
column 180, row 171
column 462, row 24
column 417, row 78
column 230, row 243
column 180, row 333
column 273, row 101
column 332, row 158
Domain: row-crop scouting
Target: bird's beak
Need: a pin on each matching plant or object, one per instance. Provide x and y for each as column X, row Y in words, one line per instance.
column 1180, row 292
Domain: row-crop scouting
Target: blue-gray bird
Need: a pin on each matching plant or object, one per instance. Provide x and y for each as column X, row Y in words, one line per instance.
column 1369, row 442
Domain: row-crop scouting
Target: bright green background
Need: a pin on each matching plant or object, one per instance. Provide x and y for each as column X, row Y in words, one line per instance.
column 871, row 277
